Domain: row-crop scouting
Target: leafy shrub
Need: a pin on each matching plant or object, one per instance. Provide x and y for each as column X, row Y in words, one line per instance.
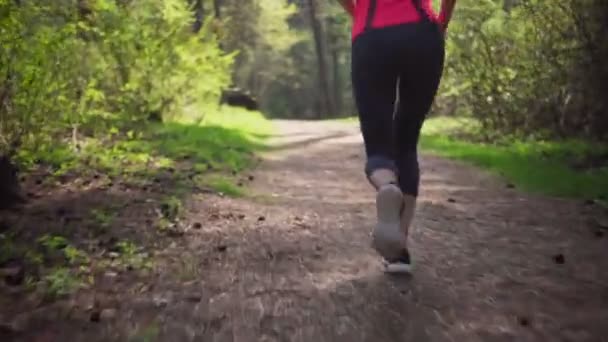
column 86, row 67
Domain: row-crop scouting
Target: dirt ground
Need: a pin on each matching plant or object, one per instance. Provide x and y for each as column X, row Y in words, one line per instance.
column 292, row 261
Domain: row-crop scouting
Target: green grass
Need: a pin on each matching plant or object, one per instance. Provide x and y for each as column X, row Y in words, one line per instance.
column 538, row 166
column 222, row 184
column 252, row 124
column 225, row 141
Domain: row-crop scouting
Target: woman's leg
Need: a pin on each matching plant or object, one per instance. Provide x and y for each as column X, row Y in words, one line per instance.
column 374, row 83
column 418, row 84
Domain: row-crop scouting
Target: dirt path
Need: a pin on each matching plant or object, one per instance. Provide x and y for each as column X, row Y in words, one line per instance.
column 293, row 262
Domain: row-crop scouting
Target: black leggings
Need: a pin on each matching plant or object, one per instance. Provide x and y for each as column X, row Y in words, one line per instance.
column 399, row 65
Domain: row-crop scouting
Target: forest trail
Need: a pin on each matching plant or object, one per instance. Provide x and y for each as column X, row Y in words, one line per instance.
column 292, row 260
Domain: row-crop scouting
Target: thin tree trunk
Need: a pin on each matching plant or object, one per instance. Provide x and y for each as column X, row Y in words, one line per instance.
column 199, row 13
column 337, row 93
column 326, row 98
column 333, row 40
column 217, row 7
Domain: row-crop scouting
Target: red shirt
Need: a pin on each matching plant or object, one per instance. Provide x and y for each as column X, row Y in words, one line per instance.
column 388, row 13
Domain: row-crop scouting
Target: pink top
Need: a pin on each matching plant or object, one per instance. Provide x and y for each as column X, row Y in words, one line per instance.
column 388, row 13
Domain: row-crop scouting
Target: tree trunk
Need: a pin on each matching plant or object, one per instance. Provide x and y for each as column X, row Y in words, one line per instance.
column 509, row 4
column 333, row 42
column 337, row 93
column 199, row 13
column 217, row 7
column 327, row 107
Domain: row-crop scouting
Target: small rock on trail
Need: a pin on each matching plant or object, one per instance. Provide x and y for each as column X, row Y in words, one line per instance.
column 559, row 259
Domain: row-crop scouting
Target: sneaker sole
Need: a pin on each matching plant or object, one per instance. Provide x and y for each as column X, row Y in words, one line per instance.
column 398, row 268
column 387, row 235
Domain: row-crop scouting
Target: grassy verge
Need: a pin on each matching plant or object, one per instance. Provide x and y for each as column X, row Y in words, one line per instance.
column 101, row 207
column 538, row 166
column 225, row 143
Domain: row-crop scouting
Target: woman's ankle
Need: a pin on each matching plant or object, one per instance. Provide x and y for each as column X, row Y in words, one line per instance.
column 382, row 177
column 407, row 213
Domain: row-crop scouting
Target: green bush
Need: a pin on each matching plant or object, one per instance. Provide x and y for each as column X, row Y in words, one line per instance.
column 84, row 67
column 529, row 67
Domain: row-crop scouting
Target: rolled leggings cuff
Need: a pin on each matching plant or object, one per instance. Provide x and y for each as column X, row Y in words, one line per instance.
column 379, row 162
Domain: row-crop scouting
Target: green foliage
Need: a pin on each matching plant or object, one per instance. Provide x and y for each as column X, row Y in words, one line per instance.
column 221, row 184
column 75, row 255
column 225, row 140
column 538, row 166
column 528, row 68
column 54, row 244
column 55, row 263
column 11, row 248
column 102, row 218
column 61, row 281
column 114, row 65
column 131, row 256
column 127, row 248
column 171, row 208
column 163, row 224
column 80, row 80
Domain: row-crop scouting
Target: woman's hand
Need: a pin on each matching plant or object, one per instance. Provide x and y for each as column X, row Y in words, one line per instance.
column 445, row 14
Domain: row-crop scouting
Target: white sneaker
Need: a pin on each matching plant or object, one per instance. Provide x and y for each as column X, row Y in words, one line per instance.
column 387, row 237
column 402, row 264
